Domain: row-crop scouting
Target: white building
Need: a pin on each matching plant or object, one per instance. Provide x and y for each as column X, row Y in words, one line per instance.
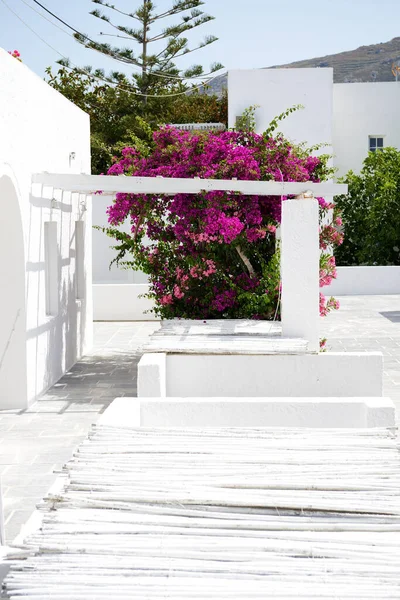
column 275, row 90
column 45, row 237
column 365, row 117
column 353, row 117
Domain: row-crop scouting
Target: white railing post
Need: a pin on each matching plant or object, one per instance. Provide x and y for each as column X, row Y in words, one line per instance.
column 300, row 269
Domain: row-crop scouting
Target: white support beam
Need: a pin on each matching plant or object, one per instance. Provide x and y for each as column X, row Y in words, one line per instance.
column 300, row 270
column 88, row 184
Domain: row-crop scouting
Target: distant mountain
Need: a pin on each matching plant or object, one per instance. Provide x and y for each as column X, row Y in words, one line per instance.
column 367, row 63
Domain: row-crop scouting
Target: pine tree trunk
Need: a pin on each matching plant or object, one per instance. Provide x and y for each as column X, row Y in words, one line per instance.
column 144, row 55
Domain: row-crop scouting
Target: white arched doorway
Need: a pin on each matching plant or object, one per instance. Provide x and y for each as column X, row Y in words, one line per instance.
column 13, row 364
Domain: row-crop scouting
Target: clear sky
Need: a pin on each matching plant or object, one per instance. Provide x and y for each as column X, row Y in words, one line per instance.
column 252, row 33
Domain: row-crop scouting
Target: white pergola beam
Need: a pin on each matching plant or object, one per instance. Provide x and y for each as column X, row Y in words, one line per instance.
column 111, row 184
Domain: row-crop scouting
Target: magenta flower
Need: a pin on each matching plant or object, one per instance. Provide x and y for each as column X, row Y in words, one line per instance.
column 213, row 254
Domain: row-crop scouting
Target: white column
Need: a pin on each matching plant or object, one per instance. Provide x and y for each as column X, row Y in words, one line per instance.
column 300, row 269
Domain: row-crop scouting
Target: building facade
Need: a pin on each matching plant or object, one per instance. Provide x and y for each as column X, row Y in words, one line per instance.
column 45, row 237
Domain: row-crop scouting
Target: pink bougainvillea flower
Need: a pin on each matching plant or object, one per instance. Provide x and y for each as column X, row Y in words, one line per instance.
column 213, row 254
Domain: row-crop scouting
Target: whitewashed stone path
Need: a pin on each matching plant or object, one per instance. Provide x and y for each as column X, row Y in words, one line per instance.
column 226, row 513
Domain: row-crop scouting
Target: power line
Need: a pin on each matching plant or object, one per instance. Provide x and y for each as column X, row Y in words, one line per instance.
column 46, row 18
column 58, row 18
column 103, row 79
column 111, row 54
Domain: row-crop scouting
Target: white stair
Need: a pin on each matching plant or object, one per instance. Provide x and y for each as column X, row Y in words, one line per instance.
column 223, row 336
column 225, row 344
column 250, row 412
column 218, row 327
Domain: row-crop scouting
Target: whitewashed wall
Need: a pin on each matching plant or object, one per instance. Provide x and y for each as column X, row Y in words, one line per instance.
column 275, row 90
column 361, row 110
column 103, row 252
column 39, row 131
column 365, row 281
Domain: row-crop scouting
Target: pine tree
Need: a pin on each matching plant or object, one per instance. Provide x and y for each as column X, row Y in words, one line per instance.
column 158, row 49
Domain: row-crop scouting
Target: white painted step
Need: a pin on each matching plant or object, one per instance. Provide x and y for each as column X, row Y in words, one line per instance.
column 250, row 412
column 223, row 336
column 225, row 344
column 218, row 327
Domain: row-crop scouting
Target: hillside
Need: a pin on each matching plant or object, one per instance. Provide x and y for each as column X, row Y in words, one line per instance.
column 367, row 63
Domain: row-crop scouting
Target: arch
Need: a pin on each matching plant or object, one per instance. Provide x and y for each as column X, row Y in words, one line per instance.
column 13, row 361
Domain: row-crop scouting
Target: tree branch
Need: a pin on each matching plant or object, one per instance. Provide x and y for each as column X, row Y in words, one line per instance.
column 246, row 261
column 112, row 7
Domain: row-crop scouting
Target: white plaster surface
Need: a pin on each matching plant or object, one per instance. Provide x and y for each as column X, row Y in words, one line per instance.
column 365, row 281
column 218, row 327
column 300, row 271
column 250, row 412
column 275, row 90
column 39, row 129
column 331, row 374
column 103, row 254
column 121, row 302
column 361, row 110
column 152, row 378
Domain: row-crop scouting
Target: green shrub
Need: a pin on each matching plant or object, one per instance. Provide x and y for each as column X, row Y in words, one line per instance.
column 371, row 212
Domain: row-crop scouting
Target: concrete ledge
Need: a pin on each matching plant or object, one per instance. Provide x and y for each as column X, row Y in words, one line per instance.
column 250, row 412
column 121, row 302
column 365, row 281
column 342, row 375
column 153, row 375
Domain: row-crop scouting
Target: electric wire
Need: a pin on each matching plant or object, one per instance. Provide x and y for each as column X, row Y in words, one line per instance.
column 46, row 18
column 103, row 79
column 111, row 54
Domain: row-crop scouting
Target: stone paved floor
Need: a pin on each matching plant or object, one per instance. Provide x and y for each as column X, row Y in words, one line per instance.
column 35, row 443
column 369, row 323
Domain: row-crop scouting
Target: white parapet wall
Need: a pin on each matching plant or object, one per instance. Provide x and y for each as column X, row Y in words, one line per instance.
column 250, row 412
column 121, row 302
column 328, row 374
column 365, row 281
column 125, row 302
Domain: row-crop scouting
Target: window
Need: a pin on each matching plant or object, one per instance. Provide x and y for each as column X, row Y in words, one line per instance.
column 51, row 267
column 375, row 143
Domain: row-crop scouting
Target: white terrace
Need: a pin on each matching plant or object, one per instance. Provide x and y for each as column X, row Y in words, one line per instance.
column 276, row 365
column 134, row 505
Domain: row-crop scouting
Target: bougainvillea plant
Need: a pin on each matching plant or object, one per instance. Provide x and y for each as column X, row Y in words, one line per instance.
column 15, row 54
column 214, row 255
